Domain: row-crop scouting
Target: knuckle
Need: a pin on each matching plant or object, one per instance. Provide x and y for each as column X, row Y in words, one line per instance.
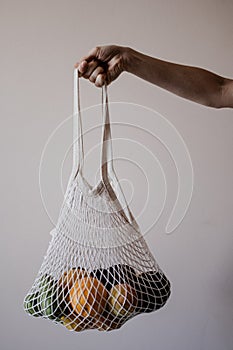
column 94, row 51
column 93, row 64
column 99, row 70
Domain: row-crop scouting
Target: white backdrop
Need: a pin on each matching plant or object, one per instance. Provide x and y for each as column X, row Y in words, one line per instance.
column 40, row 42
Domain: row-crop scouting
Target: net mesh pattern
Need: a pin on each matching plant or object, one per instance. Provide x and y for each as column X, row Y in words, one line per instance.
column 98, row 271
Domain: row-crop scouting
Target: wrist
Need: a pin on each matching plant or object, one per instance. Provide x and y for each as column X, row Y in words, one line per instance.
column 132, row 60
column 128, row 57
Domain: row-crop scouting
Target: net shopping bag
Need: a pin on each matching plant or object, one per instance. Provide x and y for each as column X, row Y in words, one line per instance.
column 98, row 271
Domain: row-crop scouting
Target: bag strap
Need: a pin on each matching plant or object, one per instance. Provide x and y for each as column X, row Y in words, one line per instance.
column 78, row 150
column 108, row 175
column 106, row 152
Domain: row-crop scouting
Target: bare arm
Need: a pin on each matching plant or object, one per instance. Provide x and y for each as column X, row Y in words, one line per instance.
column 196, row 84
column 106, row 63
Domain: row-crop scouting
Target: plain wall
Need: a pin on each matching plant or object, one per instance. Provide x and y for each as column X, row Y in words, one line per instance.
column 40, row 42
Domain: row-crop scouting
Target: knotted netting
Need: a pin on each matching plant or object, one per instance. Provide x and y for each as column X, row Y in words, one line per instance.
column 98, row 271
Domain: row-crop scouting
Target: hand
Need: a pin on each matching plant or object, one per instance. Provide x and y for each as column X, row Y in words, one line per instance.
column 103, row 64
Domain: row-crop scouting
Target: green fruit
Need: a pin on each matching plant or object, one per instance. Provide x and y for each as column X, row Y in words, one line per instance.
column 122, row 273
column 117, row 274
column 46, row 282
column 49, row 306
column 153, row 291
column 31, row 305
column 48, row 298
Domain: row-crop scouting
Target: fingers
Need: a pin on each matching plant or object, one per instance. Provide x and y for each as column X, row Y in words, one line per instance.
column 92, row 56
column 93, row 71
column 82, row 67
column 88, row 69
column 98, row 73
column 103, row 64
column 100, row 80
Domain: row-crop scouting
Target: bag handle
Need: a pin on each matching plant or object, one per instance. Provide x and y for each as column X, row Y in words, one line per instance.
column 108, row 175
column 106, row 164
column 78, row 151
column 106, row 151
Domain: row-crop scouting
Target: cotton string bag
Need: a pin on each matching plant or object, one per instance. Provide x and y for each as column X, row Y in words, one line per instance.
column 98, row 271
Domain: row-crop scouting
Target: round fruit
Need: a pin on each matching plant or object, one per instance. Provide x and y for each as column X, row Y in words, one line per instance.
column 117, row 274
column 46, row 282
column 153, row 291
column 31, row 305
column 50, row 300
column 70, row 277
column 104, row 276
column 88, row 297
column 49, row 305
column 129, row 275
column 122, row 300
column 65, row 283
column 73, row 324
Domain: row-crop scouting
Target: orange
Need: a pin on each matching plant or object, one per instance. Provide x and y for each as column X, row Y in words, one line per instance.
column 88, row 297
column 70, row 277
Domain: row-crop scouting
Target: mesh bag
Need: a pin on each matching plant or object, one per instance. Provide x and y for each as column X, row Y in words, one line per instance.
column 98, row 271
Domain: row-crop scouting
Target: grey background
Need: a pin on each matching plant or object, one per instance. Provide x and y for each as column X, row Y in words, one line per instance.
column 40, row 42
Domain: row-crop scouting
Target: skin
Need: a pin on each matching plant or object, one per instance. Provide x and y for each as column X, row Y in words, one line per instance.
column 104, row 64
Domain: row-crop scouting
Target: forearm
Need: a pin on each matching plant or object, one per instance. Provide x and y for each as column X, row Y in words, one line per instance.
column 192, row 83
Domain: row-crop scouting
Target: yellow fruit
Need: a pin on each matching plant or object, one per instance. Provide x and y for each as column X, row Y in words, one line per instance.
column 88, row 297
column 72, row 324
column 122, row 300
